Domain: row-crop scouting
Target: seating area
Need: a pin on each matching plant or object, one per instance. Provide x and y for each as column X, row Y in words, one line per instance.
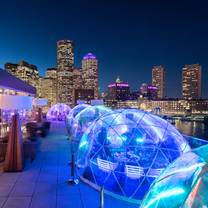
column 38, row 128
column 31, row 139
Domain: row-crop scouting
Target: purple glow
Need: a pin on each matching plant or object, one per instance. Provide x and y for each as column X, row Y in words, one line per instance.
column 89, row 56
column 58, row 112
column 118, row 85
column 150, row 87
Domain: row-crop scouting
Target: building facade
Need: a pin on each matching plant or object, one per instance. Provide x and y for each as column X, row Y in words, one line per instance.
column 11, row 85
column 90, row 73
column 77, row 79
column 158, row 80
column 148, row 91
column 48, row 87
column 175, row 106
column 191, row 81
column 51, row 73
column 24, row 71
column 118, row 90
column 84, row 95
column 65, row 64
column 170, row 107
column 48, row 91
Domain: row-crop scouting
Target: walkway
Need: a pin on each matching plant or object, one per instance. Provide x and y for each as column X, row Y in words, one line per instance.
column 43, row 183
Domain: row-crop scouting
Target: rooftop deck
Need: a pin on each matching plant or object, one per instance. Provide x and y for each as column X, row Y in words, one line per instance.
column 43, row 184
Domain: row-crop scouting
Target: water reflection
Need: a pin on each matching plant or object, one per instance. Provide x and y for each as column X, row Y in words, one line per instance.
column 192, row 128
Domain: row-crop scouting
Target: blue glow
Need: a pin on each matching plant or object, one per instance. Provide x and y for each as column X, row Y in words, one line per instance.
column 71, row 122
column 127, row 150
column 85, row 118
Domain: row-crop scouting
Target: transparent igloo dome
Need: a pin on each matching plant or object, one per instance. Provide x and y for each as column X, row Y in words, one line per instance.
column 126, row 150
column 70, row 120
column 85, row 118
column 58, row 112
column 184, row 183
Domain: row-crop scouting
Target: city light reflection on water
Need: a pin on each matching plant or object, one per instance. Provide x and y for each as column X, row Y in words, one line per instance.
column 192, row 128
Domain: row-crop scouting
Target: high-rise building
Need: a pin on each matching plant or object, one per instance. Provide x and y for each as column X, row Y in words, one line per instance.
column 77, row 84
column 50, row 81
column 51, row 73
column 24, row 71
column 90, row 73
column 48, row 90
column 65, row 64
column 158, row 80
column 118, row 90
column 191, row 81
column 148, row 91
column 77, row 79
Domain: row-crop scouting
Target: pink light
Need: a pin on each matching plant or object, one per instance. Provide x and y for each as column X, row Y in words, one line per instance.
column 152, row 88
column 118, row 85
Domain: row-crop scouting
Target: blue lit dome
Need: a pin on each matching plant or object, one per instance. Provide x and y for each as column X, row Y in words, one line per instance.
column 126, row 150
column 71, row 121
column 58, row 112
column 85, row 118
column 184, row 183
column 89, row 56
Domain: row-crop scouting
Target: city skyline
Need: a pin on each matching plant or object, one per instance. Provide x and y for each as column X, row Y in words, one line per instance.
column 130, row 51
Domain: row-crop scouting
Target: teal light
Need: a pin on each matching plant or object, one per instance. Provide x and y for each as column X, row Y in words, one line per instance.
column 139, row 140
column 124, row 138
column 83, row 143
column 166, row 194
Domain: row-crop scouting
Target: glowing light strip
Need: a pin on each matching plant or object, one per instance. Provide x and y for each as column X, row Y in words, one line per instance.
column 188, row 169
column 118, row 85
column 166, row 194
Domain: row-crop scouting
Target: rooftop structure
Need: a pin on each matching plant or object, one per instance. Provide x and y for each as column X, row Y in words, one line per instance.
column 89, row 56
column 8, row 82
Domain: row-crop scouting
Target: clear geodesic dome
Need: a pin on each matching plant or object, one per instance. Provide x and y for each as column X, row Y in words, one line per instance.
column 184, row 183
column 58, row 112
column 126, row 150
column 85, row 118
column 71, row 121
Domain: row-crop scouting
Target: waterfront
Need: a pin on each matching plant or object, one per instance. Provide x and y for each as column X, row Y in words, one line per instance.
column 192, row 128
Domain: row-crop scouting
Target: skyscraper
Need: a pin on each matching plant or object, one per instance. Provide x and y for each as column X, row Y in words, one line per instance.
column 65, row 64
column 191, row 81
column 90, row 73
column 118, row 90
column 158, row 80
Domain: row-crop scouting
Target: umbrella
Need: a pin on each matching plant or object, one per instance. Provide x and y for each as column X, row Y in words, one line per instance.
column 184, row 183
column 14, row 155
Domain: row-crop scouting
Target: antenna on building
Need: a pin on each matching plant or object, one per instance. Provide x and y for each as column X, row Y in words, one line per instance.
column 118, row 80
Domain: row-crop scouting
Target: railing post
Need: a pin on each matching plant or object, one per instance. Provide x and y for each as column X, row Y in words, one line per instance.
column 73, row 180
column 102, row 197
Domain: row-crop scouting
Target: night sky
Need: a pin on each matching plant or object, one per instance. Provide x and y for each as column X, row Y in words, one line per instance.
column 128, row 37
